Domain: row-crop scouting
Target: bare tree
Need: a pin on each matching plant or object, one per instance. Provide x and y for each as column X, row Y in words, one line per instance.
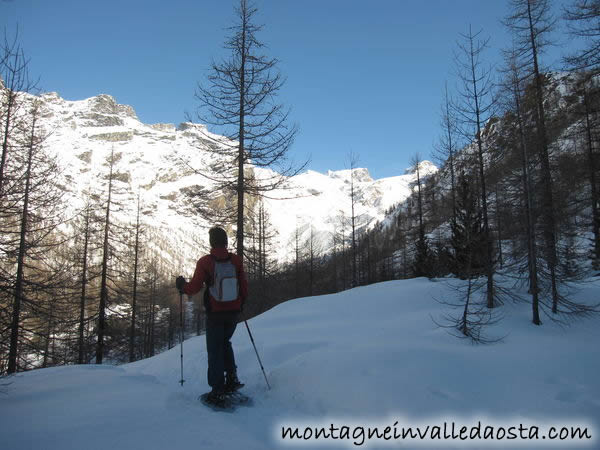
column 447, row 147
column 14, row 84
column 590, row 129
column 313, row 256
column 238, row 99
column 87, row 234
column 582, row 18
column 15, row 327
column 39, row 218
column 262, row 236
column 532, row 23
column 106, row 254
column 134, row 294
column 423, row 266
column 297, row 258
column 475, row 107
column 514, row 86
column 355, row 218
column 401, row 238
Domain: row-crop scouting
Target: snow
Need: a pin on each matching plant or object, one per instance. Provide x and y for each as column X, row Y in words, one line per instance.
column 323, row 202
column 160, row 161
column 369, row 355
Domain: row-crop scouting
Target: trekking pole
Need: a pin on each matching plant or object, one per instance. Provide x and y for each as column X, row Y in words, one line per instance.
column 181, row 333
column 256, row 351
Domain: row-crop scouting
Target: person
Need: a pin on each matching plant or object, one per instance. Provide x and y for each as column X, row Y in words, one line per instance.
column 221, row 313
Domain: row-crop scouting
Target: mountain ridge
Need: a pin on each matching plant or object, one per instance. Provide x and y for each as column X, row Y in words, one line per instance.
column 154, row 159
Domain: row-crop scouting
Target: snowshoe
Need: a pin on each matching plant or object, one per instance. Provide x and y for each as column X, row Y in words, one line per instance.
column 225, row 401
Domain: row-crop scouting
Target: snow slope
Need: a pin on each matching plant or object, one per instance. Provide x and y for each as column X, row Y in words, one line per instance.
column 371, row 355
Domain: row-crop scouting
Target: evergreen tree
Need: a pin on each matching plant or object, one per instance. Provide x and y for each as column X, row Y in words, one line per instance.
column 424, row 258
column 468, row 236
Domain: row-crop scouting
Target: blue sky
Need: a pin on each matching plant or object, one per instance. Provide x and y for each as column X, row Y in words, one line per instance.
column 362, row 77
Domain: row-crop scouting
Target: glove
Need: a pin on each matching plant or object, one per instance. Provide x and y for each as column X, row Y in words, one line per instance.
column 180, row 283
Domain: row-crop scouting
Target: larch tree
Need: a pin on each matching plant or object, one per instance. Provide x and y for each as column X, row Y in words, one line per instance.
column 238, row 100
column 14, row 85
column 532, row 24
column 582, row 17
column 36, row 281
column 447, row 146
column 354, row 219
column 86, row 231
column 513, row 87
column 14, row 82
column 589, row 127
column 474, row 108
column 134, row 293
column 422, row 266
column 469, row 242
column 108, row 251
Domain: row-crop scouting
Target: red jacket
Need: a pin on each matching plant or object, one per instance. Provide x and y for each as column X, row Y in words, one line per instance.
column 205, row 268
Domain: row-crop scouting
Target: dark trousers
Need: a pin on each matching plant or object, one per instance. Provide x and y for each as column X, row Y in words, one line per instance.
column 219, row 329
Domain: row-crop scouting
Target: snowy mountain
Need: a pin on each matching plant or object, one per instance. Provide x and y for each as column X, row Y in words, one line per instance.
column 386, row 365
column 151, row 160
column 323, row 202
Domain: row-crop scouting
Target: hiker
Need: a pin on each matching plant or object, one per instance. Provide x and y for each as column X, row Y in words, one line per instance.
column 227, row 288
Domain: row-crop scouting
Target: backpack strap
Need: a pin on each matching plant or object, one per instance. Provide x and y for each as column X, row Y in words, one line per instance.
column 215, row 259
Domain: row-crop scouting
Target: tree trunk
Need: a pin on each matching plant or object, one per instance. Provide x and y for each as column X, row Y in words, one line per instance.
column 152, row 314
column 47, row 339
column 486, row 228
column 241, row 151
column 8, row 111
column 353, row 219
column 80, row 357
column 19, row 284
column 531, row 241
column 499, row 228
column 592, row 178
column 135, row 282
column 103, row 282
column 450, row 156
column 548, row 202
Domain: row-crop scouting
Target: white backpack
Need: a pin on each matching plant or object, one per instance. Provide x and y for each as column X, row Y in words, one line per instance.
column 225, row 283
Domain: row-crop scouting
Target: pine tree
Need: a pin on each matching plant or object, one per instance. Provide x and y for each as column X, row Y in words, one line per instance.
column 468, row 235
